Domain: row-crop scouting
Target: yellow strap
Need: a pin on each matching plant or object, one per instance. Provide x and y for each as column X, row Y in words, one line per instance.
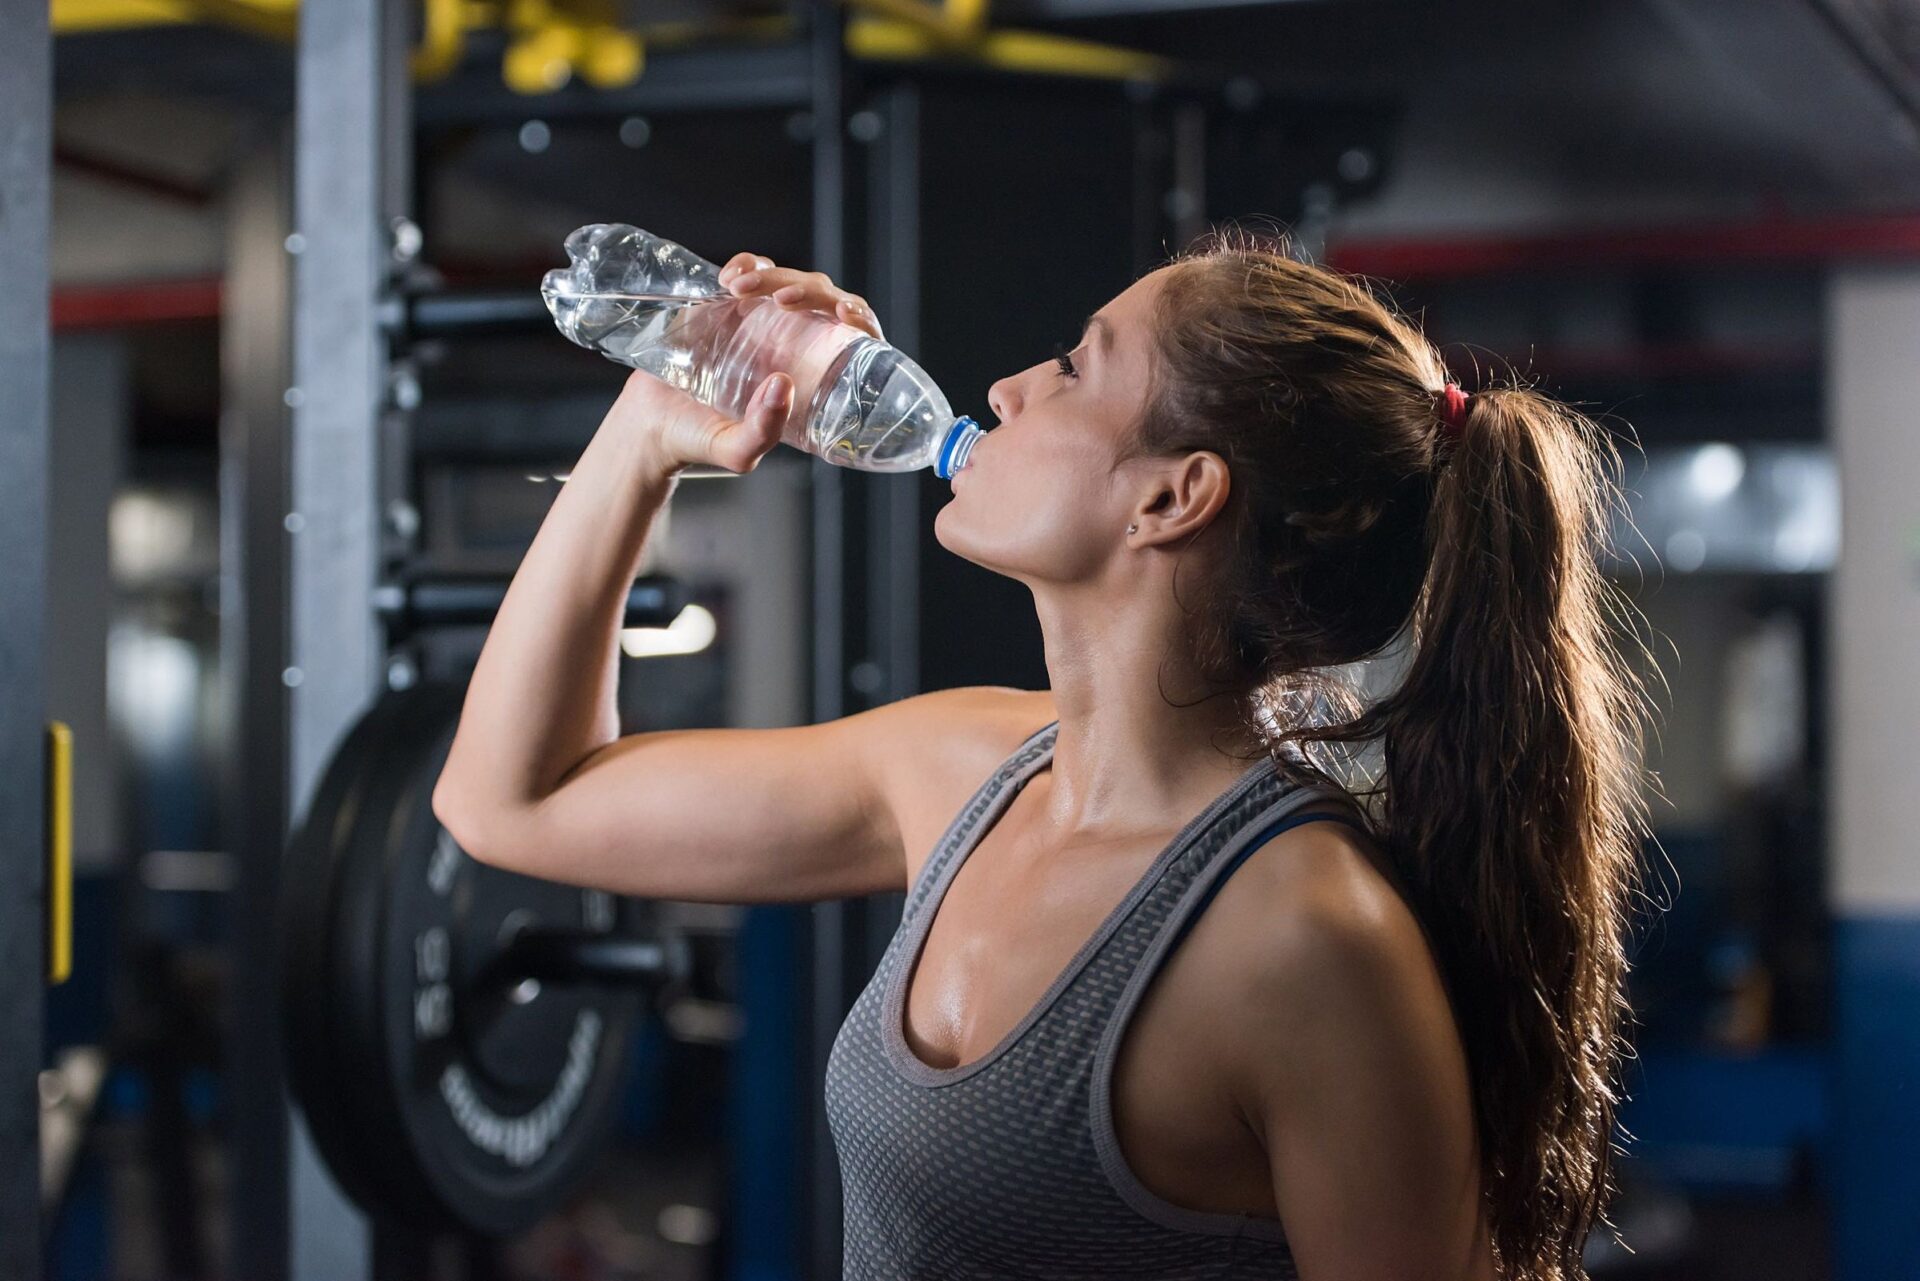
column 59, row 852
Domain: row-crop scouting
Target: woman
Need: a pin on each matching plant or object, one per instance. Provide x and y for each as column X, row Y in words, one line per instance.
column 1188, row 1013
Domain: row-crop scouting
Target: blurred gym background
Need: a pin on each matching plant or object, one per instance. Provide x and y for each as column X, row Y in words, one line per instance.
column 1698, row 219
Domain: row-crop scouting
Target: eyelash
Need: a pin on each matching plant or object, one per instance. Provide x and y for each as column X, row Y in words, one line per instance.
column 1064, row 359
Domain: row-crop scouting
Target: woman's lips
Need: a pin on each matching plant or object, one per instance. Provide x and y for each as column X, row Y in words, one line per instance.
column 973, row 459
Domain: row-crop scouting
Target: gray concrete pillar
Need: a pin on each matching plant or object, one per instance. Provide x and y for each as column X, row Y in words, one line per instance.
column 1873, row 412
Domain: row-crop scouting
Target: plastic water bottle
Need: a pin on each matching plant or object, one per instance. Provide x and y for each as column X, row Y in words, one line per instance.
column 656, row 306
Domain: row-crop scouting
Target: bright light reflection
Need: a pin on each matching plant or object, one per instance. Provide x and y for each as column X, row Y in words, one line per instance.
column 691, row 631
column 1716, row 471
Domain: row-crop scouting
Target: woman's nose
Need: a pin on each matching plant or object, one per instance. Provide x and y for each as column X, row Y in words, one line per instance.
column 1002, row 400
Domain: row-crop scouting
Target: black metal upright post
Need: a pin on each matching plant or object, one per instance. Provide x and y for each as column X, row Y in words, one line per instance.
column 895, row 504
column 893, row 246
column 828, row 960
column 26, row 166
column 254, row 527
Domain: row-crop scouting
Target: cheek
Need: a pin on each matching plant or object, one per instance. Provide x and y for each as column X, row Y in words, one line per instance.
column 1042, row 511
column 1070, row 458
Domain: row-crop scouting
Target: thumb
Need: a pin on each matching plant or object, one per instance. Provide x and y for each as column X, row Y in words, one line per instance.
column 760, row 428
column 774, row 400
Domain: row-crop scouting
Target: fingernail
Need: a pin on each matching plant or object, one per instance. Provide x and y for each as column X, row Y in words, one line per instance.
column 728, row 273
column 763, row 263
column 788, row 293
column 747, row 279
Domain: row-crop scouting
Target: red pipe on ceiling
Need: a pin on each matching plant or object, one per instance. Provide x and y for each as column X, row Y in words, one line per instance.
column 1890, row 236
column 1781, row 240
column 144, row 302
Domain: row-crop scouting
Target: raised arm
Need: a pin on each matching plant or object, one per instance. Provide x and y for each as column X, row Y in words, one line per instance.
column 538, row 778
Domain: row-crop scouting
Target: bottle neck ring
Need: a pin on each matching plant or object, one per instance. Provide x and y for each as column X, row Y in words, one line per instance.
column 958, row 445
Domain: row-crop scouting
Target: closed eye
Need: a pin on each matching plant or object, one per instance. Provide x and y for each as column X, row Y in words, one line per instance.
column 1064, row 359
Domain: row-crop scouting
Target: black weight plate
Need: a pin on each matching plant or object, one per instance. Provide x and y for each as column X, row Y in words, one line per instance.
column 377, row 1137
column 465, row 1107
column 311, row 872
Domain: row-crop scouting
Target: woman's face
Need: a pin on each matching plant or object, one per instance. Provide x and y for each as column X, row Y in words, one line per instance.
column 1043, row 496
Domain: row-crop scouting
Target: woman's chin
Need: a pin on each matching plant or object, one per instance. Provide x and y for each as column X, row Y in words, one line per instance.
column 950, row 531
column 940, row 523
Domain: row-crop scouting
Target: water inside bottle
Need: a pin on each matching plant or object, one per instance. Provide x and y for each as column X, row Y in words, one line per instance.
column 597, row 320
column 855, row 400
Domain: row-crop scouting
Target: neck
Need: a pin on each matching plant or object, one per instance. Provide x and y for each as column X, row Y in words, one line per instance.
column 1139, row 744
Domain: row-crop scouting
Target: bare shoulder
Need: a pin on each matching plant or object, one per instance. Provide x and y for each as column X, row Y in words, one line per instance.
column 932, row 751
column 962, row 729
column 1315, row 933
column 1343, row 1057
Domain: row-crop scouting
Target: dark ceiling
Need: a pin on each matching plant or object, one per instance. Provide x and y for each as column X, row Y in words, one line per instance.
column 1789, row 104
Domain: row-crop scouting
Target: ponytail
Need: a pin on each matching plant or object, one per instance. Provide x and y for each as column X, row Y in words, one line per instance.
column 1512, row 806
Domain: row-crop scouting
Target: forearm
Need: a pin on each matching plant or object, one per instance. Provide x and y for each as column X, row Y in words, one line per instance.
column 542, row 694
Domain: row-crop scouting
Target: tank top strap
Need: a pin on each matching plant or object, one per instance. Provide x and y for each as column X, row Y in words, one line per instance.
column 1172, row 897
column 1179, row 897
column 1166, row 915
column 992, row 795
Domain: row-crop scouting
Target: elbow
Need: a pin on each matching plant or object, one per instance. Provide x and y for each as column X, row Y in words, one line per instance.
column 451, row 810
column 467, row 822
column 446, row 805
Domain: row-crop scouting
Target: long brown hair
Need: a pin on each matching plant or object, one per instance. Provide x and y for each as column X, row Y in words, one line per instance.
column 1508, row 787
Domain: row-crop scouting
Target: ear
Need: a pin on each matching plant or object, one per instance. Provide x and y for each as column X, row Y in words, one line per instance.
column 1184, row 498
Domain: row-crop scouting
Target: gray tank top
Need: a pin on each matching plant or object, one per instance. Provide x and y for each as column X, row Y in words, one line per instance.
column 1009, row 1166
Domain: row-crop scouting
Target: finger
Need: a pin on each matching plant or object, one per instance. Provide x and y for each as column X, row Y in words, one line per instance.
column 761, row 276
column 744, row 261
column 768, row 409
column 744, row 443
column 776, row 396
column 792, row 288
column 854, row 311
column 818, row 288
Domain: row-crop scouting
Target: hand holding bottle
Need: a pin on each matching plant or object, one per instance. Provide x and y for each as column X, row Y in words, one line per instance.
column 686, row 431
column 679, row 430
column 717, row 336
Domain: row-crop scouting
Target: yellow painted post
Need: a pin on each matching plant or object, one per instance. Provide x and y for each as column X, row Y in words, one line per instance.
column 59, row 852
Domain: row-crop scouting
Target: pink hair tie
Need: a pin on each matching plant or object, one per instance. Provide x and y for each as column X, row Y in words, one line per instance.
column 1454, row 413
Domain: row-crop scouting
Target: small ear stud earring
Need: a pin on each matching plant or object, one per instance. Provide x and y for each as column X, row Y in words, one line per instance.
column 1133, row 529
